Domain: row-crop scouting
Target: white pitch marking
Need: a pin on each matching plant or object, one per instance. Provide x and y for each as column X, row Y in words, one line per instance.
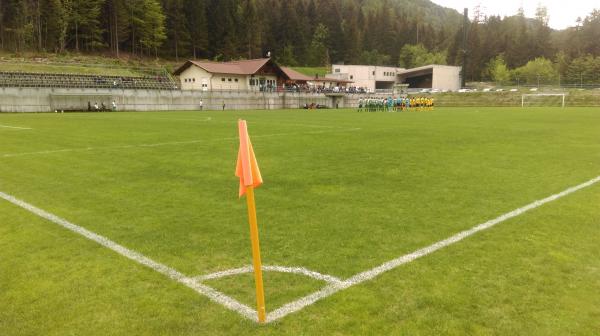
column 15, row 127
column 172, row 143
column 281, row 269
column 294, row 306
column 183, row 119
column 173, row 274
column 392, row 264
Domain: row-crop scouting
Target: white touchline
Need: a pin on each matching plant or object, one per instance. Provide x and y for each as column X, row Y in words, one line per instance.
column 207, row 291
column 172, row 143
column 15, row 127
column 334, row 284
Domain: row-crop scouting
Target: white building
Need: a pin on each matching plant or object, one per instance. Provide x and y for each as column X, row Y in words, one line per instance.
column 372, row 78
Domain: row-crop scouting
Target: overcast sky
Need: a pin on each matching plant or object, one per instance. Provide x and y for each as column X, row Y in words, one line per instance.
column 563, row 13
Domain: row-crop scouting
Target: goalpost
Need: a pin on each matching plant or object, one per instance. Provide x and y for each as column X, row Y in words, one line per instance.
column 543, row 99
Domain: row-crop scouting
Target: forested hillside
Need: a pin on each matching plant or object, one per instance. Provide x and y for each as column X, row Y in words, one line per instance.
column 299, row 33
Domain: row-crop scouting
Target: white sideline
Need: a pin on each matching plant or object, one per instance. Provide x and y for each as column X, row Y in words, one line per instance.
column 372, row 273
column 207, row 291
column 334, row 284
column 172, row 143
column 281, row 269
column 15, row 127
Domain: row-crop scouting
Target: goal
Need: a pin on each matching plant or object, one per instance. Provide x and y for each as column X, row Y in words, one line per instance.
column 543, row 99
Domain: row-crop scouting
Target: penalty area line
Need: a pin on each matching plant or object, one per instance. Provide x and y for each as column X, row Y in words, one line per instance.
column 361, row 277
column 171, row 273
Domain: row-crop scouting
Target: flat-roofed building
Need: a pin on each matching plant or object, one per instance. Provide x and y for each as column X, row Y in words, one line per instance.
column 373, row 78
column 369, row 77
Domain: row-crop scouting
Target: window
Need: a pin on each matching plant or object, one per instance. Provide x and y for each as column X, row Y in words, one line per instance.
column 337, row 70
column 222, row 79
column 236, row 80
column 373, row 73
column 229, row 79
column 351, row 77
column 194, row 80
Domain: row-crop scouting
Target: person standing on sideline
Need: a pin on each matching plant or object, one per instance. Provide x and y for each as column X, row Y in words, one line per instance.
column 223, row 105
column 201, row 104
column 114, row 106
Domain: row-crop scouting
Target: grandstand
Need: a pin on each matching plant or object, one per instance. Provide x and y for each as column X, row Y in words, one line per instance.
column 53, row 80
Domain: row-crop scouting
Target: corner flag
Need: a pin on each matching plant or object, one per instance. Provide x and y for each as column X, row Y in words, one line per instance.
column 247, row 167
column 247, row 170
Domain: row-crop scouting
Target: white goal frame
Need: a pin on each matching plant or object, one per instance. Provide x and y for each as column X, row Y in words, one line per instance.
column 542, row 95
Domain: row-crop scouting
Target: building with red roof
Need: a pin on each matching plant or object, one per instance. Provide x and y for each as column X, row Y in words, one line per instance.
column 245, row 75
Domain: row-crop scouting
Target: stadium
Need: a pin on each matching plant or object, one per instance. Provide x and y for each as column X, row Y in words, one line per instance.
column 160, row 175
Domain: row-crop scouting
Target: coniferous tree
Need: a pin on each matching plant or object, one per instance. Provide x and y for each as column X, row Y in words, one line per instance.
column 197, row 26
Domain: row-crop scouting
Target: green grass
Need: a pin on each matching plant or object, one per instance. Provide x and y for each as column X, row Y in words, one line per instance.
column 335, row 200
column 312, row 71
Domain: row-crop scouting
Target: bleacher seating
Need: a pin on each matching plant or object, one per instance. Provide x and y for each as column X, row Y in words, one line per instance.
column 27, row 79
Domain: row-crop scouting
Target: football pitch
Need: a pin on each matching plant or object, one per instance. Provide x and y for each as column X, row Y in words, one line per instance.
column 457, row 221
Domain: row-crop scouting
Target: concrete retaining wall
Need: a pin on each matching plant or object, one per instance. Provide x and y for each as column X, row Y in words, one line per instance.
column 49, row 100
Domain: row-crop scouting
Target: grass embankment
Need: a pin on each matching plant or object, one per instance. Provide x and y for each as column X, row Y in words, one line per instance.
column 312, row 71
column 336, row 199
column 82, row 64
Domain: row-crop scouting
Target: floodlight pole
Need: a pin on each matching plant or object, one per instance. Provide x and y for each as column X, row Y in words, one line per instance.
column 464, row 48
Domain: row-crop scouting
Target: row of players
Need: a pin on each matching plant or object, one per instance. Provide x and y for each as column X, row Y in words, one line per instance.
column 394, row 104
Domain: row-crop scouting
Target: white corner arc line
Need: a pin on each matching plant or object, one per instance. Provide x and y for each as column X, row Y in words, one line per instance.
column 392, row 264
column 269, row 268
column 294, row 306
column 15, row 127
column 173, row 274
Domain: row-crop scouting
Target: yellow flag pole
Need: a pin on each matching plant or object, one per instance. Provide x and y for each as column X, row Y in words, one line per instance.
column 258, row 279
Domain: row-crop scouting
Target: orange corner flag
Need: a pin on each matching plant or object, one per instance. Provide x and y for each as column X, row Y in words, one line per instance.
column 247, row 167
column 249, row 174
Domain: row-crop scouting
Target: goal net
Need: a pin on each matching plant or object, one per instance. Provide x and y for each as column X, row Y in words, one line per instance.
column 543, row 99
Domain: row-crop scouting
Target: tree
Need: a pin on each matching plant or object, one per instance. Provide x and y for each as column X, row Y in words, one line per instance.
column 152, row 26
column 498, row 70
column 54, row 17
column 197, row 26
column 374, row 57
column 318, row 53
column 591, row 33
column 539, row 70
column 412, row 56
column 84, row 22
column 178, row 35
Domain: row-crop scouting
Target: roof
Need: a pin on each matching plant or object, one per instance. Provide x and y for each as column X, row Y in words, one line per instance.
column 295, row 75
column 246, row 67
